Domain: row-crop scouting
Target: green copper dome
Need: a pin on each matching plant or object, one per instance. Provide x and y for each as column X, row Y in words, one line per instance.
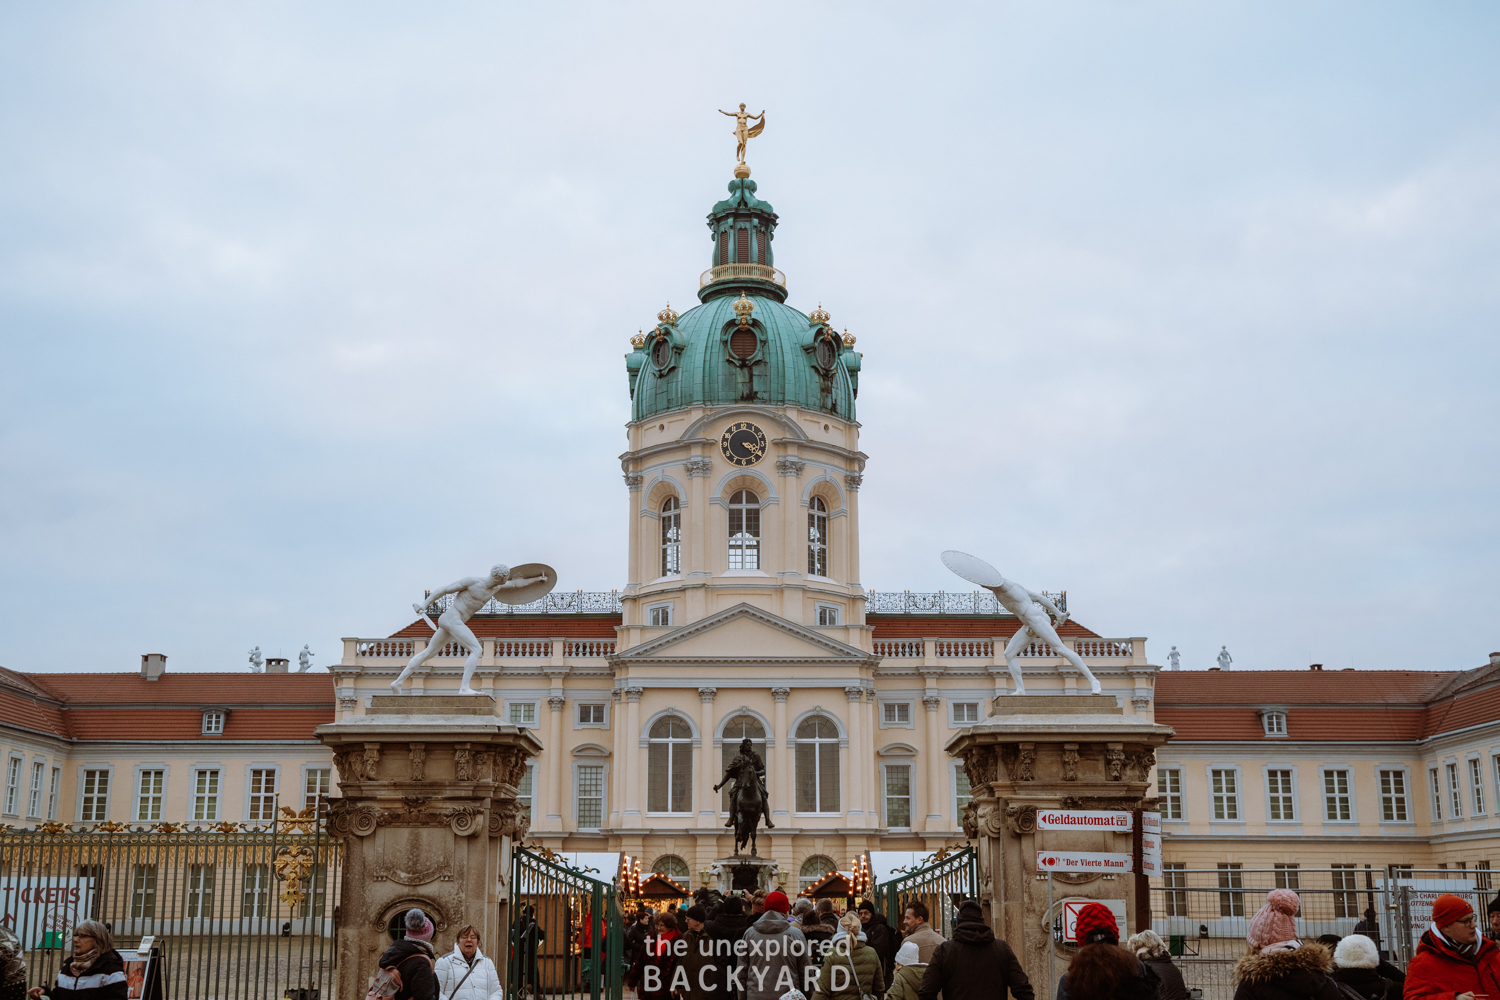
column 743, row 344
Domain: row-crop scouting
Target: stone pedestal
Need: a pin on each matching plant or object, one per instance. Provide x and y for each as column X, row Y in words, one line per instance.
column 427, row 816
column 1051, row 752
column 724, row 873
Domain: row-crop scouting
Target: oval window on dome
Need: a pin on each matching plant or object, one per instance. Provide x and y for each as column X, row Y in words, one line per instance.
column 824, row 352
column 742, row 342
column 661, row 353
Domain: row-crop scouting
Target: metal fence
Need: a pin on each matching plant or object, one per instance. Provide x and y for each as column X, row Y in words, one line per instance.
column 942, row 881
column 236, row 912
column 567, row 936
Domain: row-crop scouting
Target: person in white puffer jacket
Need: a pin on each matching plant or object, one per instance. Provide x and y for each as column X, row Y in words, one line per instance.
column 483, row 982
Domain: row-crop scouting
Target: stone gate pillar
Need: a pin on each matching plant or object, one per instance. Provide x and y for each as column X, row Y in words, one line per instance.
column 427, row 816
column 1051, row 752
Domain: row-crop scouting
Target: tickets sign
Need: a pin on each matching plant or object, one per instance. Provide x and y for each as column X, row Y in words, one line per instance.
column 1084, row 861
column 1084, row 819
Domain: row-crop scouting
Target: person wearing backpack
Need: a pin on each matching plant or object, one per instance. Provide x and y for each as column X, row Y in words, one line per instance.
column 412, row 960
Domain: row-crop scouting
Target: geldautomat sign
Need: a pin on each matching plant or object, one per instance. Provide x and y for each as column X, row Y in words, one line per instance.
column 1084, row 819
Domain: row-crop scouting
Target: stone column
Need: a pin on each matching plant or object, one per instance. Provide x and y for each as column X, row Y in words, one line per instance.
column 783, row 791
column 937, row 762
column 1051, row 752
column 708, row 767
column 854, row 753
column 636, row 571
column 427, row 813
column 633, row 812
column 554, row 753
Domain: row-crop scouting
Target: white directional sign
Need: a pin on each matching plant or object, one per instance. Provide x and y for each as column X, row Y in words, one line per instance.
column 1151, row 865
column 1084, row 861
column 1151, row 822
column 1151, row 844
column 1084, row 819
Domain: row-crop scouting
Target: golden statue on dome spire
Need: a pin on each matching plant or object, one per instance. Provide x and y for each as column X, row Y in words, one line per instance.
column 743, row 133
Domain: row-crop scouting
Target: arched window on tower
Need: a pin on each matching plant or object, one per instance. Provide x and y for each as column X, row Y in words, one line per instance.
column 817, row 537
column 671, row 537
column 741, row 727
column 813, row 869
column 817, row 765
column 669, row 766
column 744, row 530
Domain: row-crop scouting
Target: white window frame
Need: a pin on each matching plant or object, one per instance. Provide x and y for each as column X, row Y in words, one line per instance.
column 255, row 891
column 911, row 713
column 957, row 778
column 818, row 548
column 840, row 741
column 670, row 561
column 591, row 703
column 1221, row 801
column 214, row 721
column 512, row 704
column 953, row 703
column 54, row 792
column 675, row 745
column 1476, row 784
column 1436, row 802
column 1288, row 796
column 308, row 770
column 108, row 770
column 34, row 793
column 1455, row 788
column 15, row 769
column 1273, row 723
column 137, row 797
column 1401, row 798
column 829, row 615
column 603, row 796
column 1168, row 796
column 655, row 613
column 251, row 795
column 528, row 774
column 213, row 799
column 1348, row 793
column 748, row 551
column 909, row 764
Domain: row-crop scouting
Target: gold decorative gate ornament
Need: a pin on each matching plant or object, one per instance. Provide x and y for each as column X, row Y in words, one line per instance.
column 292, row 865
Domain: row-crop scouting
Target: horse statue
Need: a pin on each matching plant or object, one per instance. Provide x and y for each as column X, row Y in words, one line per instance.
column 748, row 804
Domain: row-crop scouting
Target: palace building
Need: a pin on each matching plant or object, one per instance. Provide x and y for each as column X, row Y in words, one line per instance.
column 744, row 616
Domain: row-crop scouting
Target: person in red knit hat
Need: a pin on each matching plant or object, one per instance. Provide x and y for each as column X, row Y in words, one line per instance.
column 1280, row 966
column 1101, row 969
column 1453, row 962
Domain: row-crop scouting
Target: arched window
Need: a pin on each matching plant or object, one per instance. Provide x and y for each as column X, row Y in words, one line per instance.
column 817, row 765
column 669, row 766
column 671, row 537
column 813, row 869
column 744, row 530
column 670, row 864
column 817, row 537
column 741, row 727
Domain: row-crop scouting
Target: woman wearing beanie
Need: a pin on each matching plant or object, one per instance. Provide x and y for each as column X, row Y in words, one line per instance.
column 1101, row 969
column 851, row 968
column 908, row 977
column 412, row 957
column 1279, row 966
column 1453, row 962
column 1356, row 963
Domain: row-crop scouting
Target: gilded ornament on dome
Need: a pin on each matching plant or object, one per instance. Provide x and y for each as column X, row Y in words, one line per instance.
column 667, row 315
column 639, row 340
column 743, row 307
column 848, row 339
column 819, row 315
column 743, row 133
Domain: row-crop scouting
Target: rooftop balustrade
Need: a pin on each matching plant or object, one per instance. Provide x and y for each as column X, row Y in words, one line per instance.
column 725, row 272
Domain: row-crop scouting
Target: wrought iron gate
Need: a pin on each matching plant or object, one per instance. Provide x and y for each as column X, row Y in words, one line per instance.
column 941, row 880
column 566, row 935
column 236, row 912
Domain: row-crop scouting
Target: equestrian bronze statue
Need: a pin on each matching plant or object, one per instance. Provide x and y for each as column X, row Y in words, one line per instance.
column 748, row 802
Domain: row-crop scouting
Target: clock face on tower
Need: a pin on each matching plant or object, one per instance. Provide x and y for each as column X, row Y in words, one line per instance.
column 743, row 443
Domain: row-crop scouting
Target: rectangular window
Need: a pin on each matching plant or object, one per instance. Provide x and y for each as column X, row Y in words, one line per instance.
column 898, row 795
column 1174, row 881
column 962, row 793
column 744, row 536
column 1169, row 789
column 1231, row 904
column 1287, row 877
column 591, row 715
column 148, row 797
column 95, row 797
column 1401, row 871
column 965, row 713
column 817, row 542
column 200, row 894
column 1226, row 795
column 1393, row 796
column 12, row 785
column 255, row 901
column 262, row 795
column 1336, row 795
column 52, row 792
column 1482, row 875
column 1275, row 723
column 523, row 791
column 828, row 614
column 213, row 723
column 660, row 615
column 1476, row 782
column 143, row 892
column 1279, row 789
column 34, row 800
column 1345, row 898
column 205, row 796
column 317, row 786
column 590, row 796
column 671, row 538
column 1455, row 797
column 896, row 713
column 523, row 713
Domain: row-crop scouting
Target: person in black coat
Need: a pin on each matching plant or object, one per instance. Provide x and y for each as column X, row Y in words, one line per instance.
column 413, row 959
column 1152, row 951
column 95, row 971
column 880, row 935
column 1101, row 969
column 974, row 964
column 1356, row 964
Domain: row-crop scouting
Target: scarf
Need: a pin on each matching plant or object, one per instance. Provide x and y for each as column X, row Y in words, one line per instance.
column 1466, row 950
column 80, row 964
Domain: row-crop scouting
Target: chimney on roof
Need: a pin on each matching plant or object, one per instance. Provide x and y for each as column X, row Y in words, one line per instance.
column 1316, row 666
column 153, row 665
column 277, row 665
column 1495, row 659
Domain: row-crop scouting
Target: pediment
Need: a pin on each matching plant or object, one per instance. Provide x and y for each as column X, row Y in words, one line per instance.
column 744, row 632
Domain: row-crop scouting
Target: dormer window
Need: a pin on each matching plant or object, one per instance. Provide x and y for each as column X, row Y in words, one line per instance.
column 1274, row 722
column 213, row 721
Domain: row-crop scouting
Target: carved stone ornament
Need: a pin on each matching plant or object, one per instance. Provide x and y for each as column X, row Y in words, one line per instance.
column 347, row 702
column 1114, row 763
column 437, row 873
column 1070, row 762
column 463, row 764
column 1025, row 769
column 979, row 766
column 417, row 756
column 633, row 481
column 1141, row 764
column 698, row 466
column 789, row 466
column 345, row 819
column 990, row 818
column 969, row 820
column 1141, row 702
column 484, row 765
column 1020, row 820
column 371, row 761
column 510, row 765
column 853, row 481
column 509, row 819
column 465, row 821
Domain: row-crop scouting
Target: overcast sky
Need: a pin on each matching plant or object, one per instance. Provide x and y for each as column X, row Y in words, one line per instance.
column 1189, row 309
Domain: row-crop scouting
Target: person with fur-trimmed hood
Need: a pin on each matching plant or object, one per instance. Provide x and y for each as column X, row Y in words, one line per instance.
column 1279, row 966
column 1356, row 963
column 1101, row 969
column 1452, row 961
column 974, row 964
